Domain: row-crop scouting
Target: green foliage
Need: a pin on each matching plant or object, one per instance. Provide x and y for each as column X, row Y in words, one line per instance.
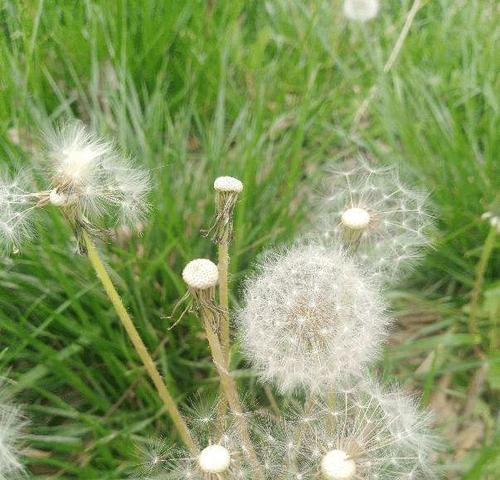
column 267, row 92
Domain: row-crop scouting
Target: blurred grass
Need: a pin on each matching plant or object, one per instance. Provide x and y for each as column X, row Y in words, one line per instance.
column 267, row 92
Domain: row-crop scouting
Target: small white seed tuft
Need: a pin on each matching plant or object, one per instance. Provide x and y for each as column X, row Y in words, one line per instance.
column 355, row 218
column 214, row 459
column 336, row 465
column 228, row 184
column 201, row 274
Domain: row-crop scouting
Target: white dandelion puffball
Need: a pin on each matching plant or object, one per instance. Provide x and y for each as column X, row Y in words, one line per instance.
column 214, row 459
column 311, row 317
column 12, row 425
column 384, row 224
column 201, row 274
column 361, row 10
column 362, row 434
column 90, row 175
column 16, row 213
column 228, row 184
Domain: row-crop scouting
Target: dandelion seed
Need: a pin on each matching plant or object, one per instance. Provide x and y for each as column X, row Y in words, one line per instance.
column 381, row 221
column 310, row 318
column 361, row 10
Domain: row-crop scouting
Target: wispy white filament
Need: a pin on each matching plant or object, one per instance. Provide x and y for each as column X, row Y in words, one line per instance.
column 310, row 318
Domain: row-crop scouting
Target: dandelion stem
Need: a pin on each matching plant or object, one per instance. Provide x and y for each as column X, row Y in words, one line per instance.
column 139, row 346
column 224, row 295
column 228, row 386
column 488, row 247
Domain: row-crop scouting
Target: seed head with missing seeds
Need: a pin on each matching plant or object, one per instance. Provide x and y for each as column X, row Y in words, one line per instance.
column 90, row 182
column 382, row 222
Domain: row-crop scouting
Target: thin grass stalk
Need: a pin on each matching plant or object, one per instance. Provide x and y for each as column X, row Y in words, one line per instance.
column 488, row 247
column 138, row 344
column 228, row 386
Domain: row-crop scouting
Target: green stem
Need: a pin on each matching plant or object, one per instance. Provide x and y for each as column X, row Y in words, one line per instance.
column 139, row 346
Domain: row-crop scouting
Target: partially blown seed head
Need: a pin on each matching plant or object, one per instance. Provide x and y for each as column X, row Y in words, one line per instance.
column 310, row 318
column 364, row 431
column 361, row 10
column 90, row 175
column 381, row 221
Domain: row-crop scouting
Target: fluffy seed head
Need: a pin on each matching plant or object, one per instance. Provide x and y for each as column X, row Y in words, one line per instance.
column 381, row 221
column 99, row 180
column 201, row 274
column 228, row 184
column 361, row 10
column 214, row 459
column 310, row 318
column 365, row 431
column 336, row 465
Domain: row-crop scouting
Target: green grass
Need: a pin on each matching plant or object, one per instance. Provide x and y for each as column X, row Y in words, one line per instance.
column 267, row 92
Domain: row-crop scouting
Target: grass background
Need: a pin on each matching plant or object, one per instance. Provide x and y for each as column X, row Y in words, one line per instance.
column 268, row 92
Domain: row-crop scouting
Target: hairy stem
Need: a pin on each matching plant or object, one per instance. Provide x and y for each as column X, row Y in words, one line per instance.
column 224, row 295
column 488, row 247
column 139, row 346
column 228, row 386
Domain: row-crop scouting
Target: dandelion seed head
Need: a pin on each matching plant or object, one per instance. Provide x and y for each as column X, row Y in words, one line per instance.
column 89, row 172
column 361, row 10
column 214, row 459
column 336, row 465
column 365, row 438
column 228, row 184
column 201, row 274
column 310, row 318
column 376, row 216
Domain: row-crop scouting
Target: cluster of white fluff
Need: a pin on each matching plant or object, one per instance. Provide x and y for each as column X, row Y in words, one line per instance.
column 382, row 221
column 12, row 425
column 361, row 10
column 311, row 317
column 89, row 173
column 93, row 185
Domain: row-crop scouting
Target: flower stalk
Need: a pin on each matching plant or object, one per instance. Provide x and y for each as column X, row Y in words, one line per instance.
column 137, row 342
column 201, row 276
